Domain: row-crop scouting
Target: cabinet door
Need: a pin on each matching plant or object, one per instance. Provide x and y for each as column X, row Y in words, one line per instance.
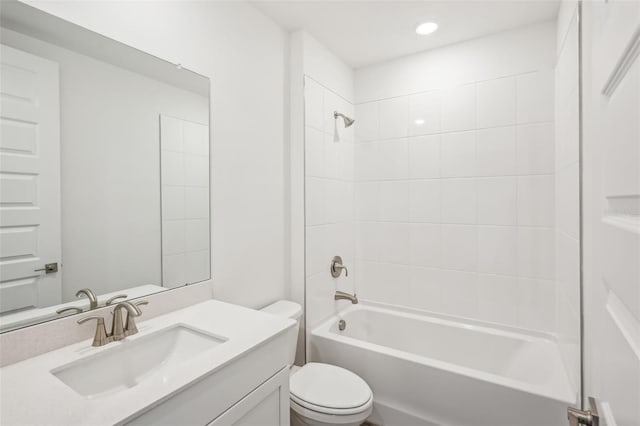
column 266, row 406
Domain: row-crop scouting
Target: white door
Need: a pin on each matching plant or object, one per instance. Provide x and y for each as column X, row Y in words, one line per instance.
column 29, row 181
column 611, row 35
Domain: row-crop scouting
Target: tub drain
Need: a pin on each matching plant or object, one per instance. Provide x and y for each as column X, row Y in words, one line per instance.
column 342, row 324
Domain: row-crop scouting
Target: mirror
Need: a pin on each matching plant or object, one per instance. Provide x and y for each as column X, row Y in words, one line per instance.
column 104, row 171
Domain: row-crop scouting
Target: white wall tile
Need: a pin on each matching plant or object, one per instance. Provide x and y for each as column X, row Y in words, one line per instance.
column 338, row 198
column 317, row 253
column 459, row 200
column 319, row 297
column 393, row 243
column 174, row 270
column 458, row 154
column 568, row 269
column 173, row 202
column 196, row 202
column 425, row 113
column 498, row 298
column 197, row 234
column 536, row 309
column 535, row 97
column 368, row 241
column 536, row 200
column 367, row 206
column 196, row 170
column 459, row 293
column 459, row 108
column 536, row 149
column 567, row 205
column 425, row 245
column 497, row 250
column 366, row 161
column 496, row 151
column 173, row 170
column 393, row 201
column 173, row 236
column 389, row 285
column 425, row 288
column 459, row 244
column 314, row 201
column 497, row 102
column 313, row 104
column 196, row 138
column 497, row 201
column 393, row 118
column 424, row 157
column 314, row 152
column 536, row 253
column 366, row 126
column 425, row 201
column 393, row 159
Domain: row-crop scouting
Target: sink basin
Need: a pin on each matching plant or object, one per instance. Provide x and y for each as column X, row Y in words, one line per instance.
column 130, row 362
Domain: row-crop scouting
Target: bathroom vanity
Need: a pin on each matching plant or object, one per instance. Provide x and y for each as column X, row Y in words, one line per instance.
column 209, row 364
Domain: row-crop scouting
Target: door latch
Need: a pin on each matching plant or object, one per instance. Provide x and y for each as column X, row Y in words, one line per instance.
column 49, row 268
column 588, row 417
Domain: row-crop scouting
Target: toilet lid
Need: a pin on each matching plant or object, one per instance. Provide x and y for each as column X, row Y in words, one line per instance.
column 324, row 385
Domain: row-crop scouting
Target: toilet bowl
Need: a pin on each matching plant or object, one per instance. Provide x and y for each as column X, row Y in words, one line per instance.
column 322, row 394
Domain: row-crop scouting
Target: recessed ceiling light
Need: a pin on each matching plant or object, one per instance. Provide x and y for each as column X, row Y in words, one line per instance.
column 419, row 121
column 426, row 28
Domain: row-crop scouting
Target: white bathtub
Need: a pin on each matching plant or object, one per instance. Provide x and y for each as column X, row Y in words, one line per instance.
column 429, row 370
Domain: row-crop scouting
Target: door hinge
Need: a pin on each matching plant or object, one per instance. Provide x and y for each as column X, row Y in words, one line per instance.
column 588, row 417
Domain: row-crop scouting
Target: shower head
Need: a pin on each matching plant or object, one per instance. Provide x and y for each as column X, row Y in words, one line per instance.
column 348, row 121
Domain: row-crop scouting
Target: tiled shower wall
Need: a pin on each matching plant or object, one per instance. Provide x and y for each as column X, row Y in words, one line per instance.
column 455, row 200
column 329, row 173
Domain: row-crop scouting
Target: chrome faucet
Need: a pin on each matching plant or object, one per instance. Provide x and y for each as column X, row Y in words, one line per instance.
column 93, row 301
column 341, row 295
column 118, row 331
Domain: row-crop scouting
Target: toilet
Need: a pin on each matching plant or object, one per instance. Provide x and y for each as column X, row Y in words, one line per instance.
column 322, row 394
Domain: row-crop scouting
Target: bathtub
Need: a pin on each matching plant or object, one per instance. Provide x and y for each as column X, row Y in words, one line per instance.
column 426, row 369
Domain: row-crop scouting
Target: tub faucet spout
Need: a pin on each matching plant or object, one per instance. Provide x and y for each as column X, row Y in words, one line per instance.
column 341, row 295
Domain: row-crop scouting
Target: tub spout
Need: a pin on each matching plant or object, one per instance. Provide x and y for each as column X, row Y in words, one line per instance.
column 341, row 295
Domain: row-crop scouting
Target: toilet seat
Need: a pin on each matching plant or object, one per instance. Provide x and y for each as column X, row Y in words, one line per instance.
column 327, row 390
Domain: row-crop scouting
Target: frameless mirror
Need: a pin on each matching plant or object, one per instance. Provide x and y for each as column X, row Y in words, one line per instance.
column 104, row 170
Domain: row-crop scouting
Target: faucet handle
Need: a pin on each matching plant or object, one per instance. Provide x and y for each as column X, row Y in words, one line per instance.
column 114, row 298
column 101, row 337
column 68, row 309
column 130, row 325
column 337, row 267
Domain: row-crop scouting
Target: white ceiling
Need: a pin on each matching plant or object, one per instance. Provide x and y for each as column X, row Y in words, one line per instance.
column 366, row 32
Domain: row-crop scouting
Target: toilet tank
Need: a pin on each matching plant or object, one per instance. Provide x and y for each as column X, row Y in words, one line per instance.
column 292, row 310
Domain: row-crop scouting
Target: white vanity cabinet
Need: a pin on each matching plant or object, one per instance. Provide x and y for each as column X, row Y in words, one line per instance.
column 267, row 405
column 251, row 390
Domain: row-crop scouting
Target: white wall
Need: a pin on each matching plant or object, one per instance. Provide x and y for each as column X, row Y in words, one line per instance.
column 227, row 42
column 455, row 186
column 110, row 167
column 567, row 190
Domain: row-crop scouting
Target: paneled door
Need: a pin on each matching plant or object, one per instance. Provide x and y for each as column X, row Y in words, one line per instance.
column 611, row 46
column 29, row 181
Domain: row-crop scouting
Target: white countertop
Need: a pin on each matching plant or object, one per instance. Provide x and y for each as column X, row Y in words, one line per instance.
column 31, row 395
